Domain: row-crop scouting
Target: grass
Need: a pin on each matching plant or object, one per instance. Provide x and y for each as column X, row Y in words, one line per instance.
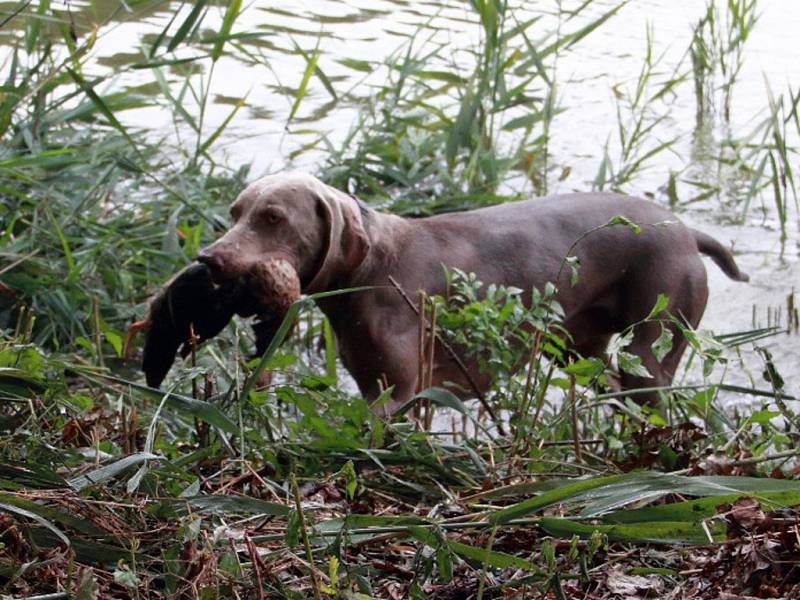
column 222, row 486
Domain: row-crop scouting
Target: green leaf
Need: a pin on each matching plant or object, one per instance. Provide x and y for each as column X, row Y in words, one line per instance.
column 227, row 24
column 440, row 397
column 283, row 330
column 204, row 411
column 35, row 26
column 660, row 306
column 311, row 65
column 564, row 492
column 113, row 338
column 292, row 537
column 632, row 364
column 525, row 121
column 444, row 562
column 187, row 25
column 110, row 471
column 458, row 134
column 664, row 532
column 586, row 367
column 663, row 344
column 494, row 558
column 53, row 514
column 622, row 220
column 220, row 504
column 38, row 518
column 29, row 474
column 330, row 350
column 351, row 481
column 19, row 384
column 763, row 417
column 358, row 521
column 101, row 106
column 700, row 508
column 363, row 66
column 650, row 485
column 446, row 76
column 222, row 126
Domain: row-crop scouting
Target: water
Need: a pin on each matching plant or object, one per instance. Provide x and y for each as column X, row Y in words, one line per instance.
column 348, row 34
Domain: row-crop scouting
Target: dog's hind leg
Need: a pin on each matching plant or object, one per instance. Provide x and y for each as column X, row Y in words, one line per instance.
column 687, row 295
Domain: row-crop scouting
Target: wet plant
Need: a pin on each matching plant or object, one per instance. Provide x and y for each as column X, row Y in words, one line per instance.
column 268, row 476
column 641, row 108
column 717, row 55
column 412, row 143
column 504, row 333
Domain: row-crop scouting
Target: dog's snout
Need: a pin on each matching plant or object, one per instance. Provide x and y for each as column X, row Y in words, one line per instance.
column 213, row 260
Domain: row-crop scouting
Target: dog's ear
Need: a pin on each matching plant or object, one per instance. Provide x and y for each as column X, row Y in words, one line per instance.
column 346, row 244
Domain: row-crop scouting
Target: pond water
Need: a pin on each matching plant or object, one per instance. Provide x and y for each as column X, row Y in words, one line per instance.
column 353, row 38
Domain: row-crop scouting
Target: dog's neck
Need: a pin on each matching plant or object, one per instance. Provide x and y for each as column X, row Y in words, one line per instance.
column 387, row 234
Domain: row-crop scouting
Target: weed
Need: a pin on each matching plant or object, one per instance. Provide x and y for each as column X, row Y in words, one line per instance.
column 210, row 487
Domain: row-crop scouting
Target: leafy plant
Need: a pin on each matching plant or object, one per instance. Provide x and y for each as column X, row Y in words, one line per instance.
column 417, row 151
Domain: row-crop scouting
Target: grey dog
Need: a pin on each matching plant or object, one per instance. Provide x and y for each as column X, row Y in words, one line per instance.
column 333, row 241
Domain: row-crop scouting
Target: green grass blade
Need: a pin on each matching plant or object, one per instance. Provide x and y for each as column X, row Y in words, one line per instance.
column 35, row 26
column 661, row 532
column 54, row 514
column 160, row 37
column 187, row 25
column 649, row 485
column 231, row 13
column 184, row 405
column 493, row 558
column 39, row 519
column 221, row 504
column 311, row 65
column 700, row 508
column 564, row 492
column 218, row 131
column 88, row 89
column 110, row 471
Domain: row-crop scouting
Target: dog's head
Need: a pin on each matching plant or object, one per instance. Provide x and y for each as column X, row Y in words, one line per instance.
column 293, row 217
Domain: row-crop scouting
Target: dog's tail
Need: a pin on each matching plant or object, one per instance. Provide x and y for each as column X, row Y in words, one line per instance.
column 720, row 255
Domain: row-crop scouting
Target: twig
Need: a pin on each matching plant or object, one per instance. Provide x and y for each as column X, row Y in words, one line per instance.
column 256, row 560
column 725, row 387
column 454, row 357
column 529, row 382
column 430, row 357
column 98, row 336
column 485, row 564
column 420, row 352
column 753, row 460
column 22, row 259
column 302, row 522
column 540, row 399
column 576, row 436
column 3, row 24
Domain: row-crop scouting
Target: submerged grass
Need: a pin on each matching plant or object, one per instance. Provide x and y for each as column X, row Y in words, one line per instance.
column 229, row 485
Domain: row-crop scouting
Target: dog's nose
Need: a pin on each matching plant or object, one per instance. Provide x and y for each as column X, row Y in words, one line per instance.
column 214, row 260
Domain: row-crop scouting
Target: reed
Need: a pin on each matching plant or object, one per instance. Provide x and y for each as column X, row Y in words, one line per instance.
column 112, row 489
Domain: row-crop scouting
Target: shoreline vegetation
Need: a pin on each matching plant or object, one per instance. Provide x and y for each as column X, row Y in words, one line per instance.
column 229, row 485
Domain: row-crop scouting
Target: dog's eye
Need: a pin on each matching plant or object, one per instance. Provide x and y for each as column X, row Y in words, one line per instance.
column 272, row 216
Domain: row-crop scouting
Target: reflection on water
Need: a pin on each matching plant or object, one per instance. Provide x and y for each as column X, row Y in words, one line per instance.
column 353, row 38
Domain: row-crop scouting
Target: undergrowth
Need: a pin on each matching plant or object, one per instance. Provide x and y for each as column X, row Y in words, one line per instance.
column 267, row 476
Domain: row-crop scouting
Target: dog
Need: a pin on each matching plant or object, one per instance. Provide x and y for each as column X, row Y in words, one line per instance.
column 334, row 241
